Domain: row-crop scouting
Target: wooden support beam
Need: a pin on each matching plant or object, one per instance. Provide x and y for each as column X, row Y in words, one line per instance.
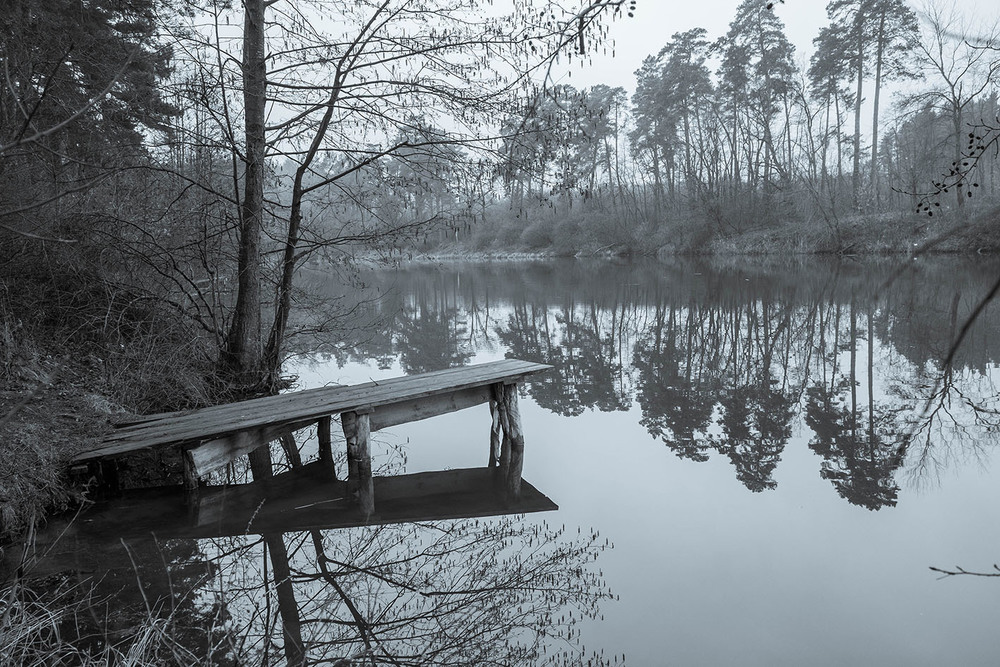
column 495, row 433
column 261, row 465
column 512, row 448
column 416, row 409
column 192, row 485
column 325, row 448
column 357, row 428
column 105, row 472
column 500, row 390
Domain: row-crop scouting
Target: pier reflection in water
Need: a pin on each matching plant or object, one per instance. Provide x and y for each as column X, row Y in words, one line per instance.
column 291, row 568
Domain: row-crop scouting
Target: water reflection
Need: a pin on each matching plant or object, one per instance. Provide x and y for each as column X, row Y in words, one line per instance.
column 150, row 581
column 727, row 361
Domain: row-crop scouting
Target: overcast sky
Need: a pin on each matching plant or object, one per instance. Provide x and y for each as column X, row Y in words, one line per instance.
column 656, row 20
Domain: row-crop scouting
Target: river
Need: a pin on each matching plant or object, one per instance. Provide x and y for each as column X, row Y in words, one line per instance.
column 756, row 463
column 770, row 447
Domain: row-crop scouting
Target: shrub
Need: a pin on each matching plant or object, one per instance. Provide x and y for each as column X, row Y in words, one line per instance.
column 538, row 235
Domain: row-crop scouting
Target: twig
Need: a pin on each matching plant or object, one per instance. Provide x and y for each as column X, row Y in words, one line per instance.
column 961, row 570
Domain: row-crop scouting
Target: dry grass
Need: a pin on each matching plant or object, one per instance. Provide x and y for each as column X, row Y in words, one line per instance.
column 41, row 628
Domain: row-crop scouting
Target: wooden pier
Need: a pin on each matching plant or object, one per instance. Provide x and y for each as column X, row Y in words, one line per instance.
column 211, row 438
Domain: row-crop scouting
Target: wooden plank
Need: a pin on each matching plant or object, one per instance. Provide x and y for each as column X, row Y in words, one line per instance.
column 417, row 409
column 236, row 406
column 310, row 404
column 270, row 403
column 146, row 419
column 371, row 392
column 214, row 454
column 198, row 429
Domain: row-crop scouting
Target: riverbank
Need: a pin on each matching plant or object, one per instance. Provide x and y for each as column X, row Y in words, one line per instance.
column 65, row 376
column 882, row 234
column 50, row 409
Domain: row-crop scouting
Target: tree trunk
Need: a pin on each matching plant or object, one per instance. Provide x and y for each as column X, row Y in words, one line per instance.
column 856, row 167
column 242, row 356
column 956, row 119
column 878, row 89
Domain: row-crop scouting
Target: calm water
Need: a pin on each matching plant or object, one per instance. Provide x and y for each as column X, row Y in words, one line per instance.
column 755, row 465
column 770, row 449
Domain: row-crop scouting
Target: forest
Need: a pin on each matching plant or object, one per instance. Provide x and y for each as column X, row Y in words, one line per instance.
column 727, row 145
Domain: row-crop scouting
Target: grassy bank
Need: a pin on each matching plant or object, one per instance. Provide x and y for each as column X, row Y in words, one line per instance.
column 74, row 358
column 593, row 233
column 70, row 363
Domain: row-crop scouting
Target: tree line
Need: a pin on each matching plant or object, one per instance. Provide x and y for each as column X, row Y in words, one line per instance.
column 729, row 135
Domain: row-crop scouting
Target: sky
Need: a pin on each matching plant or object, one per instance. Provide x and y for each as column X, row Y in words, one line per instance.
column 656, row 20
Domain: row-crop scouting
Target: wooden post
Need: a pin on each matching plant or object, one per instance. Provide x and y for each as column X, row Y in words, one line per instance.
column 191, row 481
column 260, row 463
column 503, row 419
column 495, row 435
column 512, row 449
column 357, row 428
column 325, row 449
column 109, row 482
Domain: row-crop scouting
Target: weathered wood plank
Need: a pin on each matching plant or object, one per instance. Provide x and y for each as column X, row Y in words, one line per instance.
column 429, row 406
column 370, row 392
column 444, row 378
column 309, row 404
column 214, row 454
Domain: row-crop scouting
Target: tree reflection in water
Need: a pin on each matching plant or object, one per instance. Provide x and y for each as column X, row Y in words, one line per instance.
column 472, row 592
column 495, row 591
column 732, row 361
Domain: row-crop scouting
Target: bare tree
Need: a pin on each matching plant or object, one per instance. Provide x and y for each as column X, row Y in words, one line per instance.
column 963, row 69
column 330, row 89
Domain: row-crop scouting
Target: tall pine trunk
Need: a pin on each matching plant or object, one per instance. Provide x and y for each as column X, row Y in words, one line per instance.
column 856, row 167
column 879, row 54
